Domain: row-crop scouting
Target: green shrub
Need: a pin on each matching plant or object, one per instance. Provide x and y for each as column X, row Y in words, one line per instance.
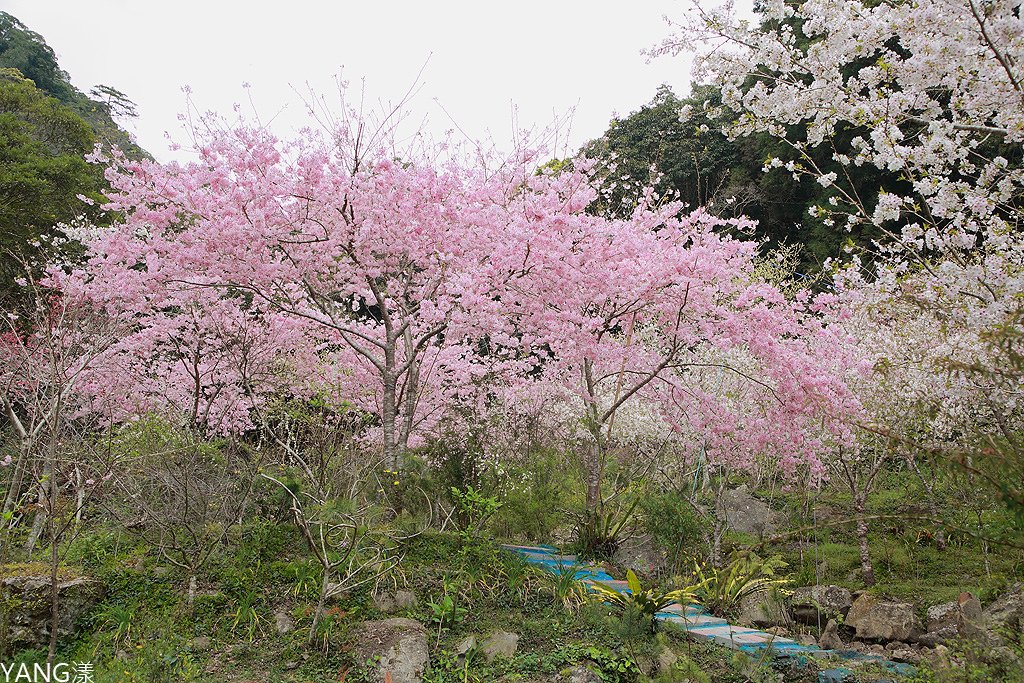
column 672, row 523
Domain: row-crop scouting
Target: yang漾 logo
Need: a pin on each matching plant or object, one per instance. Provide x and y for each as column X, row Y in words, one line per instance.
column 59, row 672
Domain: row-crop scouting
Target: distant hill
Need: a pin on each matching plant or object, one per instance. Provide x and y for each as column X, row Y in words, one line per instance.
column 28, row 52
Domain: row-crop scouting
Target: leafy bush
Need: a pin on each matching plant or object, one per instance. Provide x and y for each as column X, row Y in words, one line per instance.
column 599, row 532
column 670, row 520
column 640, row 602
column 472, row 510
column 722, row 590
column 565, row 588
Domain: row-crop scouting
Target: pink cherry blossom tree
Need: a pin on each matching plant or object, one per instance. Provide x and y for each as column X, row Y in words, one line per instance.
column 619, row 310
column 929, row 93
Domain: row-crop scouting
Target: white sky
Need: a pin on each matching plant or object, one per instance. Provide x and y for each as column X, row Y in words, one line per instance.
column 543, row 57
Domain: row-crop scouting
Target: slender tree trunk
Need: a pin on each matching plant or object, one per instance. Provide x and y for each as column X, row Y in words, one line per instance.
column 14, row 492
column 594, row 458
column 593, row 474
column 54, row 561
column 388, row 417
column 933, row 508
column 79, row 495
column 38, row 524
column 54, row 598
column 193, row 586
column 866, row 570
column 318, row 614
column 410, row 395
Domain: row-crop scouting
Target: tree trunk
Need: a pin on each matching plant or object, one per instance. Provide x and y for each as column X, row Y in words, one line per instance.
column 37, row 530
column 192, row 588
column 593, row 474
column 866, row 570
column 933, row 508
column 14, row 492
column 318, row 614
column 388, row 418
column 54, row 599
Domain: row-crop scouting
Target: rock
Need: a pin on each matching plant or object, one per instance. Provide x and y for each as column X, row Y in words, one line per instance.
column 763, row 610
column 830, row 639
column 579, row 674
column 1006, row 614
column 962, row 617
column 745, row 513
column 465, row 645
column 398, row 646
column 399, row 601
column 500, row 644
column 283, row 622
column 27, row 596
column 199, row 644
column 640, row 552
column 876, row 619
column 906, row 655
column 666, row 660
column 937, row 657
column 405, row 600
column 805, row 639
column 384, row 602
column 813, row 604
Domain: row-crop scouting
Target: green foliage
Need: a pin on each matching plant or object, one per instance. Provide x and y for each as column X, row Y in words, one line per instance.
column 670, row 520
column 566, row 589
column 746, row 575
column 638, row 601
column 683, row 670
column 975, row 663
column 599, row 532
column 42, row 172
column 472, row 510
column 28, row 52
column 533, row 497
column 678, row 146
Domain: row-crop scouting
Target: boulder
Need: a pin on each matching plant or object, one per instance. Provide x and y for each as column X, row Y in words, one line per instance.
column 765, row 610
column 399, row 601
column 960, row 618
column 1006, row 614
column 745, row 513
column 500, row 644
column 26, row 599
column 666, row 660
column 465, row 646
column 384, row 602
column 393, row 646
column 640, row 552
column 814, row 604
column 806, row 639
column 906, row 655
column 405, row 600
column 283, row 622
column 882, row 620
column 830, row 639
column 579, row 674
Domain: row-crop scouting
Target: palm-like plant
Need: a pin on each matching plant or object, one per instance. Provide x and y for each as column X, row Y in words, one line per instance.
column 565, row 587
column 640, row 601
column 746, row 575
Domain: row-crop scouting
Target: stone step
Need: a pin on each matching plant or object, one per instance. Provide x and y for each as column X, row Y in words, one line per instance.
column 699, row 624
